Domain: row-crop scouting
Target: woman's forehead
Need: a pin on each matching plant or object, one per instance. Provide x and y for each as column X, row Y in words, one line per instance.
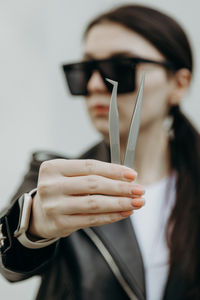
column 106, row 39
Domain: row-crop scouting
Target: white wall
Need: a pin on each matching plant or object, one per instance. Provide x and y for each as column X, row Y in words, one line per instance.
column 36, row 110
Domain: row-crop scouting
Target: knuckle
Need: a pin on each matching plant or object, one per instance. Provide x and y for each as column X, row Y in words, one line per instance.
column 42, row 189
column 107, row 219
column 44, row 167
column 93, row 220
column 49, row 210
column 58, row 225
column 114, row 169
column 90, row 165
column 122, row 203
column 92, row 203
column 93, row 183
column 114, row 218
column 47, row 168
column 121, row 188
column 62, row 186
column 62, row 226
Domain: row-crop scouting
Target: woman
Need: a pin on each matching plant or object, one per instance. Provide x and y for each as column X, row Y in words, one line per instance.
column 155, row 253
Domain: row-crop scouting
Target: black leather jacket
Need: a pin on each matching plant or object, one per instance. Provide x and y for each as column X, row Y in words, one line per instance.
column 97, row 263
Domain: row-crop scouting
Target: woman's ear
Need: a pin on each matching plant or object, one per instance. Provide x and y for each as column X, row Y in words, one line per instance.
column 181, row 84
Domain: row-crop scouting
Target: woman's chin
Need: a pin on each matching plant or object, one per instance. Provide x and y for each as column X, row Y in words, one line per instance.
column 102, row 127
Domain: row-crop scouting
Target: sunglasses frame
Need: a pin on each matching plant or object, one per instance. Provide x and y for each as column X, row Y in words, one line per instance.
column 94, row 64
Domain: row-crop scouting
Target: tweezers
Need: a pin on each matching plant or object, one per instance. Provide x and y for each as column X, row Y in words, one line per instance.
column 133, row 130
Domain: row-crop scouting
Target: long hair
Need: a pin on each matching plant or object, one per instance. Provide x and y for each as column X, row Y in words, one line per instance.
column 183, row 229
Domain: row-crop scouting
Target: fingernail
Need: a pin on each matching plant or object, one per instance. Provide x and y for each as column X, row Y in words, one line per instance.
column 138, row 202
column 137, row 191
column 126, row 213
column 130, row 175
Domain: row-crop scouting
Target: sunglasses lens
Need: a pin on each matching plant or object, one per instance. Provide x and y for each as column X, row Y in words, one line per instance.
column 77, row 76
column 121, row 71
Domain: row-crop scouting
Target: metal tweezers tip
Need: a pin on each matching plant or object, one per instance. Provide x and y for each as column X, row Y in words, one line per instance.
column 112, row 81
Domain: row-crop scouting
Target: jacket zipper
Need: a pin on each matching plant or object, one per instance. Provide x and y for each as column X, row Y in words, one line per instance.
column 111, row 263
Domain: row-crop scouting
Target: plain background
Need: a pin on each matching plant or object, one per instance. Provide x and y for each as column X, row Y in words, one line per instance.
column 37, row 112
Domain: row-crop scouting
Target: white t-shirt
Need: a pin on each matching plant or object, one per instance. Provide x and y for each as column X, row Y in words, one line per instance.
column 150, row 224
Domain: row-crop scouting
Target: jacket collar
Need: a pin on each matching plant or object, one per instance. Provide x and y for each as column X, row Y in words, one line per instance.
column 120, row 240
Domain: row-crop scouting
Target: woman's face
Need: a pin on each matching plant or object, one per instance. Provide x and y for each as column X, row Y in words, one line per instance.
column 108, row 39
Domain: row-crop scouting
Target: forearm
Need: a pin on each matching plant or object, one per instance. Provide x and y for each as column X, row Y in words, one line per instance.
column 18, row 262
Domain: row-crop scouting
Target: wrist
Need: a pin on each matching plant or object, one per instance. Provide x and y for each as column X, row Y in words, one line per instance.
column 33, row 233
column 21, row 233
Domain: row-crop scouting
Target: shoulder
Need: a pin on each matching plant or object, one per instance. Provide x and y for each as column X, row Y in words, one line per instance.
column 40, row 156
column 99, row 151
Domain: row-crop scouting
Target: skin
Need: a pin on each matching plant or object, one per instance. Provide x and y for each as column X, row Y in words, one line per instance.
column 74, row 194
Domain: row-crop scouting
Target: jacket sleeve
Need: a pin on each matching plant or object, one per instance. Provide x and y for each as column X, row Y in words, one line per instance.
column 18, row 262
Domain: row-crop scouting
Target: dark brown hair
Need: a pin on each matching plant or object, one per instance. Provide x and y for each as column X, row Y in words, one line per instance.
column 183, row 231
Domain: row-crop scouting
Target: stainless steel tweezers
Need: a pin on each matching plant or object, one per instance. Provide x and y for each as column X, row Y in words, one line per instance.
column 114, row 126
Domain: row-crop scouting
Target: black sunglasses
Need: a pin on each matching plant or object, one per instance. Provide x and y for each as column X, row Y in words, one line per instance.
column 121, row 69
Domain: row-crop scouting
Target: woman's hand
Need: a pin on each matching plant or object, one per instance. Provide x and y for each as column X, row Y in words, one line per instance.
column 74, row 194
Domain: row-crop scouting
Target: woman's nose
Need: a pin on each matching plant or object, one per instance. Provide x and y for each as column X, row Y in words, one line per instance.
column 96, row 83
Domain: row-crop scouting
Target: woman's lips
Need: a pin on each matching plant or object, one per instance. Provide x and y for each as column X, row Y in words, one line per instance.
column 100, row 110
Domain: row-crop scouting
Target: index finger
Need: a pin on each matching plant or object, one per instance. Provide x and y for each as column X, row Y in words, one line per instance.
column 82, row 167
